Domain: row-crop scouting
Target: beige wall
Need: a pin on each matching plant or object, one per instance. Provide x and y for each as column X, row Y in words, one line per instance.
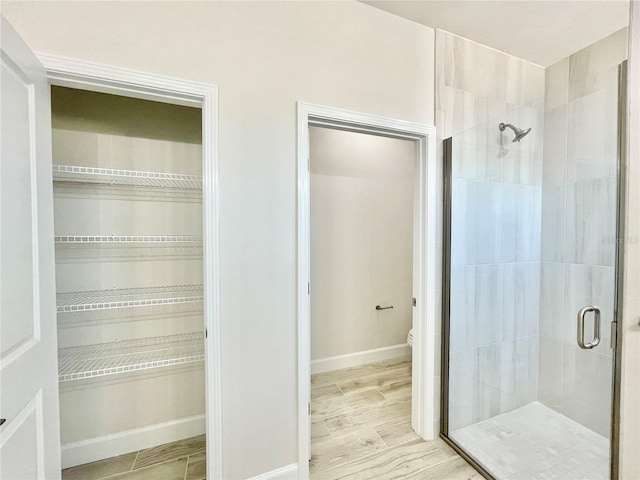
column 85, row 111
column 361, row 241
column 264, row 56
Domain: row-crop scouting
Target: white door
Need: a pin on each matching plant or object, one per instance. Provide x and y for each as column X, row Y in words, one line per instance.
column 29, row 435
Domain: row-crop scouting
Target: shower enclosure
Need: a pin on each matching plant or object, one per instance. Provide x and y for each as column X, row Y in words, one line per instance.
column 530, row 288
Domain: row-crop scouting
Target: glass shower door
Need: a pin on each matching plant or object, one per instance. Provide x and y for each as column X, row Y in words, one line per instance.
column 530, row 276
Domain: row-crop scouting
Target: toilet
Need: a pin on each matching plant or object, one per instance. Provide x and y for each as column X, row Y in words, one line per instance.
column 410, row 338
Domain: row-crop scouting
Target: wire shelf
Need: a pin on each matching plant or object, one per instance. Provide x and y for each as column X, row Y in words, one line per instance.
column 93, row 361
column 128, row 298
column 127, row 239
column 110, row 176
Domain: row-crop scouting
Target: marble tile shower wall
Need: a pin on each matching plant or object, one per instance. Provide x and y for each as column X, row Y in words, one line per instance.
column 496, row 232
column 578, row 228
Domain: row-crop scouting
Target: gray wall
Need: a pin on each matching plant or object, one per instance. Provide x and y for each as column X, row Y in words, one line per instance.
column 496, row 226
column 578, row 228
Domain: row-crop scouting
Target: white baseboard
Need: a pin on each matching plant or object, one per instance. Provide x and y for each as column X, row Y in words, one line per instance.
column 359, row 358
column 288, row 472
column 99, row 448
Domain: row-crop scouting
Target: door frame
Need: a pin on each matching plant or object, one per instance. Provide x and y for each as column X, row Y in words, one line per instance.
column 424, row 409
column 96, row 77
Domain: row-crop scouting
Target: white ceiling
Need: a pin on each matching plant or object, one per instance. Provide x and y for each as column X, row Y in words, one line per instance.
column 539, row 31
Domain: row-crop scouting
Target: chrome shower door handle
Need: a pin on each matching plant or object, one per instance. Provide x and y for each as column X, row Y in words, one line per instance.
column 596, row 327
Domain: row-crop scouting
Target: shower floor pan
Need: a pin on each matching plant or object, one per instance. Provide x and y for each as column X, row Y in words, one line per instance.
column 536, row 442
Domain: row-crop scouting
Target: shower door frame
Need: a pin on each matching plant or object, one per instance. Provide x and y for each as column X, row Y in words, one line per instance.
column 618, row 290
column 447, row 150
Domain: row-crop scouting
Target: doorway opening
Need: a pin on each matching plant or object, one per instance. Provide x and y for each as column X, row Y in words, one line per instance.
column 314, row 124
column 135, row 170
column 362, row 203
column 127, row 195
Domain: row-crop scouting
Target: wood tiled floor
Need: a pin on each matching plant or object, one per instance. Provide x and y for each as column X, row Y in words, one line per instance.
column 181, row 460
column 361, row 428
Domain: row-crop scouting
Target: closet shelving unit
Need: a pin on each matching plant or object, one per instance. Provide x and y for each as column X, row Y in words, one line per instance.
column 126, row 356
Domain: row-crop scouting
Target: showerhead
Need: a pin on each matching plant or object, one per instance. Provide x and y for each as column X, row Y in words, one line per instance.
column 520, row 134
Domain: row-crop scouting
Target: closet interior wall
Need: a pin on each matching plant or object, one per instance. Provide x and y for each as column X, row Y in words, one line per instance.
column 128, row 234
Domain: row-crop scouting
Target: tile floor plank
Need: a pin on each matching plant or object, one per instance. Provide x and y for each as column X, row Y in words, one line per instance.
column 170, row 451
column 347, row 403
column 398, row 389
column 377, row 380
column 397, row 431
column 341, row 450
column 346, row 374
column 394, row 362
column 322, row 391
column 100, row 469
column 453, row 469
column 196, row 467
column 371, row 415
column 319, row 431
column 391, row 464
column 172, row 470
